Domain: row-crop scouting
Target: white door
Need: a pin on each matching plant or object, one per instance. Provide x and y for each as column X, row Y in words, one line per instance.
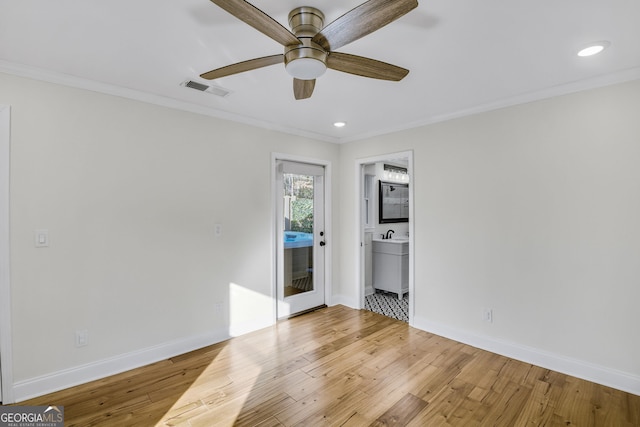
column 300, row 237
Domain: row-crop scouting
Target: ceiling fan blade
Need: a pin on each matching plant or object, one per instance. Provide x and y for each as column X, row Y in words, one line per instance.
column 302, row 89
column 365, row 67
column 364, row 19
column 243, row 66
column 259, row 20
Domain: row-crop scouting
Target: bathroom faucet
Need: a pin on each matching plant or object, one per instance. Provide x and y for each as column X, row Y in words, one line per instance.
column 389, row 233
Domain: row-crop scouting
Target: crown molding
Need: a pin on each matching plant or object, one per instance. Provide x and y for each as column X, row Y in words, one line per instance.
column 49, row 76
column 537, row 95
column 533, row 96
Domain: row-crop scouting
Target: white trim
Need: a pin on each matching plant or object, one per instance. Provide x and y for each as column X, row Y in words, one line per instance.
column 556, row 362
column 82, row 374
column 533, row 96
column 80, row 83
column 6, row 358
column 359, row 248
column 328, row 252
column 77, row 82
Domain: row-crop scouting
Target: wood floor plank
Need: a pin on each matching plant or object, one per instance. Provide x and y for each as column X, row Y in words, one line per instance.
column 507, row 405
column 537, row 410
column 271, row 422
column 628, row 408
column 336, row 413
column 443, row 376
column 445, row 406
column 339, row 366
column 320, row 401
column 402, row 412
column 264, row 410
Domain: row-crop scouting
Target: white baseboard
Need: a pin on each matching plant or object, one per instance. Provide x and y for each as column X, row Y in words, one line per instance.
column 38, row 386
column 346, row 301
column 577, row 368
column 60, row 380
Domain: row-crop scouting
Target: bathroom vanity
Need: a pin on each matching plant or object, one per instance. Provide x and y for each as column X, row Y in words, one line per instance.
column 391, row 265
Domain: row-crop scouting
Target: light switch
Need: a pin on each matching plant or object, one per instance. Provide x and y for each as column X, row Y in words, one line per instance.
column 42, row 238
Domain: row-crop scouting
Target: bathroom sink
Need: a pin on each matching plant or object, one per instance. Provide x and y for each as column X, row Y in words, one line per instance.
column 391, row 246
column 391, row 265
column 393, row 240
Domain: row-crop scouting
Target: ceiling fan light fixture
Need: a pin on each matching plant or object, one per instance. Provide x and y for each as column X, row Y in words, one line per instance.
column 306, row 61
column 306, row 68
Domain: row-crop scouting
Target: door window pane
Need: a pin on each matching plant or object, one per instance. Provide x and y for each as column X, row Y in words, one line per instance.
column 298, row 234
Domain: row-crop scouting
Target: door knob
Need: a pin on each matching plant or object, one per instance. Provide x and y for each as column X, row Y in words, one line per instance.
column 322, row 243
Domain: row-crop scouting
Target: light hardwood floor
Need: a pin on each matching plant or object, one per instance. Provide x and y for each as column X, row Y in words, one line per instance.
column 343, row 367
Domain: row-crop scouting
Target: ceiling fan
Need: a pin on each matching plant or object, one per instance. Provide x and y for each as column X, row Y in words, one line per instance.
column 309, row 49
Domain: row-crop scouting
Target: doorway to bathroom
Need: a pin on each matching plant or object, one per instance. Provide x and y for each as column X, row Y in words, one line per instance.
column 385, row 240
column 300, row 236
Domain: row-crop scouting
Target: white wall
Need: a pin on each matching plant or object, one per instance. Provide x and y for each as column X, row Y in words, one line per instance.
column 531, row 211
column 130, row 193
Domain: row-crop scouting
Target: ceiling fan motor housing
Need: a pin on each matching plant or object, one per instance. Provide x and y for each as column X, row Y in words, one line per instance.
column 307, row 60
column 306, row 21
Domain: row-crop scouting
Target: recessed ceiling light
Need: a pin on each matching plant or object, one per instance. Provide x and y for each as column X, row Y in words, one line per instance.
column 594, row 48
column 340, row 124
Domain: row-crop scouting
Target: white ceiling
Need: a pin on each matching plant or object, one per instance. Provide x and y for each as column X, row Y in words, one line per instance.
column 465, row 56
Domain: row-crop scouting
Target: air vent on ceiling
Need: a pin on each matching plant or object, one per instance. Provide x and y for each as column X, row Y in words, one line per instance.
column 216, row 90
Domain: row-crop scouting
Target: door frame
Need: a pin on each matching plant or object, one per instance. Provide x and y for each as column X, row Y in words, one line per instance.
column 328, row 289
column 6, row 361
column 359, row 226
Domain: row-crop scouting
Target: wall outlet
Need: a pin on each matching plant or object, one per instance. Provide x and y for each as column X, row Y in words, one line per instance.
column 217, row 230
column 487, row 315
column 41, row 238
column 82, row 338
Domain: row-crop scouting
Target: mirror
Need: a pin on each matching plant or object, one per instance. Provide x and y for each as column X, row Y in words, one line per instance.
column 393, row 202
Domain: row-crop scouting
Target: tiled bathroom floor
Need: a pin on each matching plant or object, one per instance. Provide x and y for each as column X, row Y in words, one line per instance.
column 388, row 304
